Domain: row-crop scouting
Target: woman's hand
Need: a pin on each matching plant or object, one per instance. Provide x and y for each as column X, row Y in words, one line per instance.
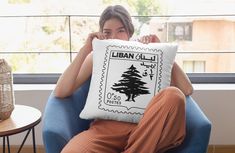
column 149, row 39
column 88, row 44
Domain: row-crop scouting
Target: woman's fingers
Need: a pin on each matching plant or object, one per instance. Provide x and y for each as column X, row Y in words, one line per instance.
column 149, row 39
column 154, row 39
column 97, row 35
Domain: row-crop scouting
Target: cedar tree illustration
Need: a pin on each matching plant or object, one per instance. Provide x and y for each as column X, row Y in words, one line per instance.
column 131, row 84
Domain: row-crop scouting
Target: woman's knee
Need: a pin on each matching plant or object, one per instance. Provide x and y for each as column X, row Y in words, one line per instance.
column 174, row 96
column 80, row 143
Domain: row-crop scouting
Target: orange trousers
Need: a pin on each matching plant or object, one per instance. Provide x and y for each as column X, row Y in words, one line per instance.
column 162, row 127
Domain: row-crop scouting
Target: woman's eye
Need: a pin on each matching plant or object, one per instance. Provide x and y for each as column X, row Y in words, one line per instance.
column 122, row 30
column 106, row 33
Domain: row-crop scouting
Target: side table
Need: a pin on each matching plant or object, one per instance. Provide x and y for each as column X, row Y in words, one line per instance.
column 23, row 118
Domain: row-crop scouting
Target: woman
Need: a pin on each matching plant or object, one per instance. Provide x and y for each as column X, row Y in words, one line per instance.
column 163, row 125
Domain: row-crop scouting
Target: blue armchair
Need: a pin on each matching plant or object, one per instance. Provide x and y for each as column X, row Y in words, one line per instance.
column 61, row 122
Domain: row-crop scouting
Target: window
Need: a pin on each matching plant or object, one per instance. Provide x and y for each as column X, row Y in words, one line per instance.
column 41, row 38
column 180, row 31
column 194, row 66
column 43, row 43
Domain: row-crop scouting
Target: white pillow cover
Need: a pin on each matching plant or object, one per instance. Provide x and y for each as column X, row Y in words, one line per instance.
column 126, row 75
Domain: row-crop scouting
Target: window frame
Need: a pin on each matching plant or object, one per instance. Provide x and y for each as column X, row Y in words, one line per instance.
column 195, row 78
column 51, row 78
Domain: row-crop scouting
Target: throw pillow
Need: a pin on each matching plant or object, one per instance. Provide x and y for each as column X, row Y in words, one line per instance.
column 125, row 77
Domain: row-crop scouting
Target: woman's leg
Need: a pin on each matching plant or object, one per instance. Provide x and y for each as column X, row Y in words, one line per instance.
column 162, row 126
column 103, row 136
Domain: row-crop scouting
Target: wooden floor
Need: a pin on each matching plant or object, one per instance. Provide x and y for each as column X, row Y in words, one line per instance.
column 211, row 149
column 221, row 149
column 25, row 149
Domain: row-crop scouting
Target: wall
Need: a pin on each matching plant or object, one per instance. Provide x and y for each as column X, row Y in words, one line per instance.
column 217, row 102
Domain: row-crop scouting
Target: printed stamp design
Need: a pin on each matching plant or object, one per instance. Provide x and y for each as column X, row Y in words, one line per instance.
column 129, row 78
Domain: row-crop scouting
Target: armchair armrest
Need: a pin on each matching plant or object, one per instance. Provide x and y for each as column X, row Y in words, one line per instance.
column 61, row 119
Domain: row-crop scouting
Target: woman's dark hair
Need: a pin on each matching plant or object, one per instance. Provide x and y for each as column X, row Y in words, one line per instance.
column 119, row 12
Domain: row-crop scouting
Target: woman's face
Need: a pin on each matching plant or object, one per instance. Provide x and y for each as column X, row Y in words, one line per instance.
column 114, row 29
